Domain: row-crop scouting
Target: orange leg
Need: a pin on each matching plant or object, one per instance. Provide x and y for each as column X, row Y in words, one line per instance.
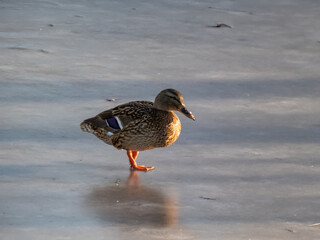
column 132, row 155
column 135, row 154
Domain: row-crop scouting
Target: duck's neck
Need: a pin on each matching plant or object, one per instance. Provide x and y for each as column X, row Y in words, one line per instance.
column 160, row 106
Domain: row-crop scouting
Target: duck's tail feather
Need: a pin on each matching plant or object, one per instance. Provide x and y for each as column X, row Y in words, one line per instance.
column 92, row 124
column 97, row 127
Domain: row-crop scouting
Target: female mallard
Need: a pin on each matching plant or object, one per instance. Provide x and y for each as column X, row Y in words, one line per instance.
column 140, row 125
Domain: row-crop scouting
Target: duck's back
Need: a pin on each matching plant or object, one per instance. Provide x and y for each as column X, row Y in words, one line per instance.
column 128, row 112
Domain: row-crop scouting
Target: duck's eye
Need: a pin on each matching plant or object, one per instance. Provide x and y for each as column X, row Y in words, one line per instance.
column 175, row 99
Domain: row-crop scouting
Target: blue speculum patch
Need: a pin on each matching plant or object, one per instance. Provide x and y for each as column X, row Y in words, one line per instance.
column 112, row 122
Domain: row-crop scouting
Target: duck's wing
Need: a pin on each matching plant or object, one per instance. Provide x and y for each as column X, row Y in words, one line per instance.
column 112, row 121
column 119, row 117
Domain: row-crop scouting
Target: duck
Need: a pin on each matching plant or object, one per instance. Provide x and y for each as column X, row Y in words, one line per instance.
column 140, row 125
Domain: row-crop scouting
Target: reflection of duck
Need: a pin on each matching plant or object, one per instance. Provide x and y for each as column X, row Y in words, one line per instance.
column 133, row 204
column 140, row 125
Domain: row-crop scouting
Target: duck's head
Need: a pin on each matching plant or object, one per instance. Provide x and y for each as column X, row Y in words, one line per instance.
column 171, row 100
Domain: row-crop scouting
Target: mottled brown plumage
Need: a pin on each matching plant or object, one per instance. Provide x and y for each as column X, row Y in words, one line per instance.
column 140, row 125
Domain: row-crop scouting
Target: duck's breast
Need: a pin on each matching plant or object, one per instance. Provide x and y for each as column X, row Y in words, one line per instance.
column 169, row 129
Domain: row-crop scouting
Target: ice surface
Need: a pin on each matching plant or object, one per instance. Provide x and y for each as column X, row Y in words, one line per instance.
column 247, row 168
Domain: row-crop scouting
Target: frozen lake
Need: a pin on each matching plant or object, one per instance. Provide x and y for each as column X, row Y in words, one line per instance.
column 247, row 168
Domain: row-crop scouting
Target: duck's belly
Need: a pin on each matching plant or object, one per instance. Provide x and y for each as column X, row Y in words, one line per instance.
column 157, row 134
column 162, row 137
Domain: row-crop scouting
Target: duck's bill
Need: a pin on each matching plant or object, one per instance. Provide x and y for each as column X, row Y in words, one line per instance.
column 187, row 113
